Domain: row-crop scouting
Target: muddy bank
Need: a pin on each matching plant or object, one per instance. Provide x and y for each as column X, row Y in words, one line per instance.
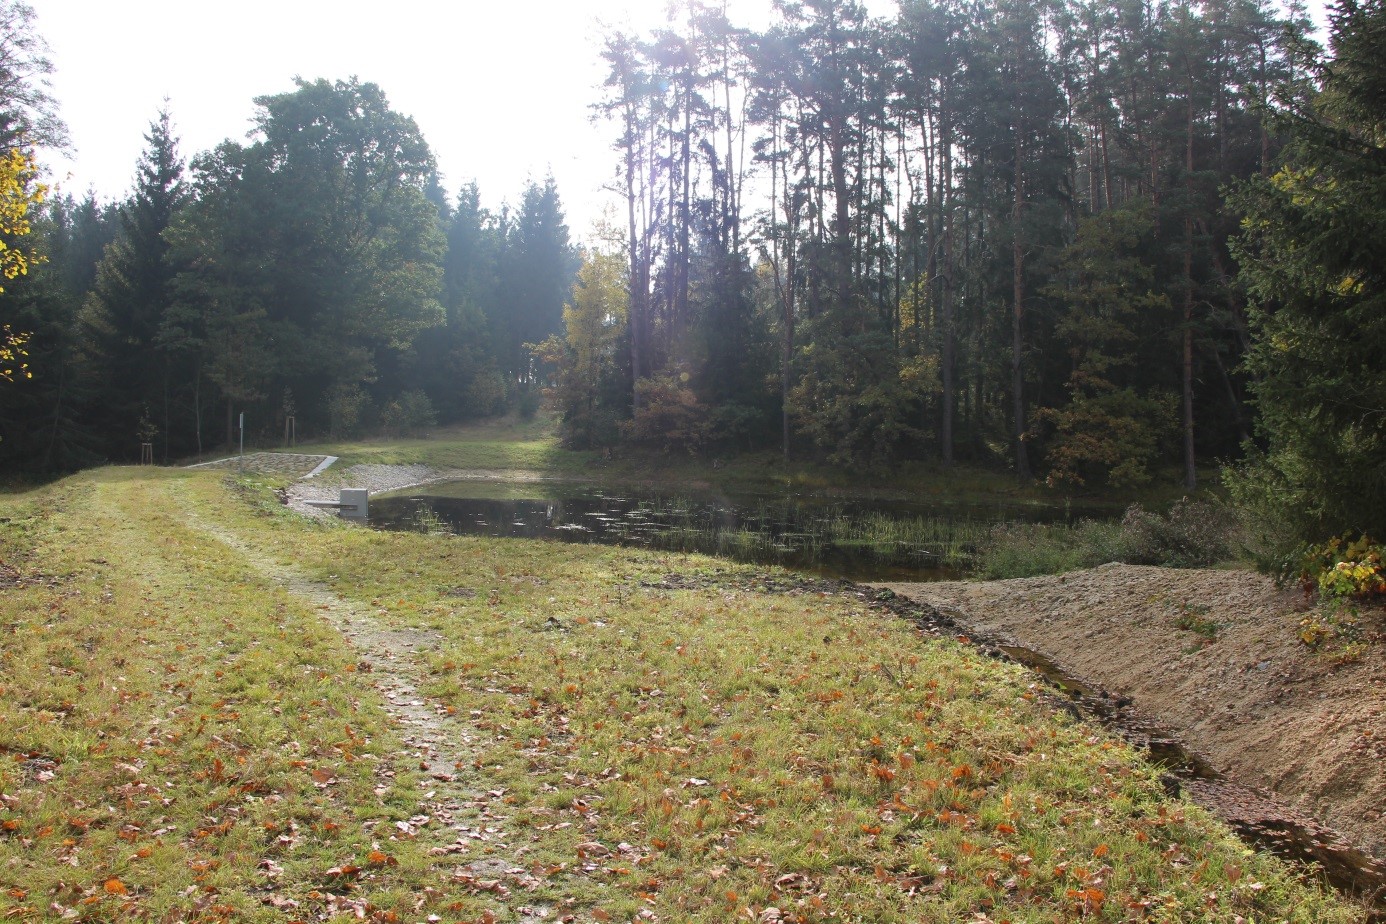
column 1238, row 689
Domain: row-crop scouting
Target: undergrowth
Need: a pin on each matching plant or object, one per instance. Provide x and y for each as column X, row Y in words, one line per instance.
column 1193, row 534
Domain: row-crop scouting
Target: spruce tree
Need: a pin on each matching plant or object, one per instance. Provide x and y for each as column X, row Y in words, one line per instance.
column 1311, row 259
column 537, row 268
column 126, row 309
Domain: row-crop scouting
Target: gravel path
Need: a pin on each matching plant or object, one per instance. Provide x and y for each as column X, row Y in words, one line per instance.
column 373, row 477
column 463, row 810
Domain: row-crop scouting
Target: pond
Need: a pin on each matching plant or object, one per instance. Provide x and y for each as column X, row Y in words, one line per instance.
column 854, row 539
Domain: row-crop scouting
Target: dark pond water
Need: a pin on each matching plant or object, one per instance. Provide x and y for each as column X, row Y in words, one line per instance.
column 860, row 539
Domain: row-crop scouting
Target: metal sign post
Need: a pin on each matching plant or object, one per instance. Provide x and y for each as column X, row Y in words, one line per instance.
column 242, row 460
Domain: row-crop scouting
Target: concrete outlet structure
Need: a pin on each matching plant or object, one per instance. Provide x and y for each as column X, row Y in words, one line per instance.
column 354, row 503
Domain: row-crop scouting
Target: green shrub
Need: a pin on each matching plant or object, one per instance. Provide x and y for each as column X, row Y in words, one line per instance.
column 408, row 414
column 346, row 405
column 528, row 401
column 1342, row 568
column 1344, row 572
column 1191, row 535
column 484, row 394
column 856, row 404
column 669, row 415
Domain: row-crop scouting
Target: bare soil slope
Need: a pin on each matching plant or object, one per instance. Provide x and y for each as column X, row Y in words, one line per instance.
column 1256, row 703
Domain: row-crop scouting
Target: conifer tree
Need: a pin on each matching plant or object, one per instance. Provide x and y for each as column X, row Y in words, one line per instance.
column 536, row 272
column 133, row 290
column 1311, row 256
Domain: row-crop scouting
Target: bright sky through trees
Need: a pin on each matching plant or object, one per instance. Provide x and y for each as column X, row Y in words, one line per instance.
column 500, row 90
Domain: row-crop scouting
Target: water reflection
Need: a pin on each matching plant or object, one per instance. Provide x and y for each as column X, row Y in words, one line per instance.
column 857, row 539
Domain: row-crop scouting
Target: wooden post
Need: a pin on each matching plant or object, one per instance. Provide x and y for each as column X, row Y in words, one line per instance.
column 146, row 453
column 290, row 431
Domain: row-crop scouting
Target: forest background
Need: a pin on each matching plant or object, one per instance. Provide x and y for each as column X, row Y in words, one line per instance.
column 1090, row 243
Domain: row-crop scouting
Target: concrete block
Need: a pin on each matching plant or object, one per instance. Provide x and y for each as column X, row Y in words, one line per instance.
column 355, row 503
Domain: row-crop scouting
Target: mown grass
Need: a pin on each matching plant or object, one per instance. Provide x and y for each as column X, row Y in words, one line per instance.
column 683, row 754
column 504, row 444
column 758, row 751
column 178, row 739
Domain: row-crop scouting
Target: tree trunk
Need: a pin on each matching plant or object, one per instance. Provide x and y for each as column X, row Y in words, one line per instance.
column 57, row 417
column 1243, row 431
column 1022, row 459
column 948, row 348
column 197, row 408
column 842, row 218
column 166, row 376
column 1106, row 168
column 636, row 307
column 1190, row 471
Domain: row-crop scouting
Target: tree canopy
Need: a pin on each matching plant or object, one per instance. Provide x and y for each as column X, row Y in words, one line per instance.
column 1094, row 244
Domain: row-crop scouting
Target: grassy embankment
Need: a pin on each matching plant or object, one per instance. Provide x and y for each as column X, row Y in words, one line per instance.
column 185, row 738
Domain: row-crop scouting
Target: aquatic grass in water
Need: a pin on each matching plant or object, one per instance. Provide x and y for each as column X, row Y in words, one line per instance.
column 427, row 521
column 1191, row 535
column 932, row 540
column 780, row 533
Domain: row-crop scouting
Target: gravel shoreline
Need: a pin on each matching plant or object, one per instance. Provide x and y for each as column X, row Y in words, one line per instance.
column 378, row 478
column 374, row 477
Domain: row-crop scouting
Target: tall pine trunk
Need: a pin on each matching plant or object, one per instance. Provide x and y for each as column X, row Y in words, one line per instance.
column 948, row 348
column 637, row 287
column 1190, row 471
column 1022, row 458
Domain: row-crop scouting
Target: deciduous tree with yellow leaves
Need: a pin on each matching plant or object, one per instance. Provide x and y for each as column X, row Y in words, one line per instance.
column 18, row 194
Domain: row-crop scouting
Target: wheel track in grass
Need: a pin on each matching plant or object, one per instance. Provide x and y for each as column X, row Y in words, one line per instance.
column 442, row 745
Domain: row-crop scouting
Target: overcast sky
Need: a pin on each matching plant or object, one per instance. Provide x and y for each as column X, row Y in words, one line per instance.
column 501, row 89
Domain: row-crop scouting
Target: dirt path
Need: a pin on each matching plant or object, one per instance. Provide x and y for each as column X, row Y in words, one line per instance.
column 439, row 743
column 1238, row 688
